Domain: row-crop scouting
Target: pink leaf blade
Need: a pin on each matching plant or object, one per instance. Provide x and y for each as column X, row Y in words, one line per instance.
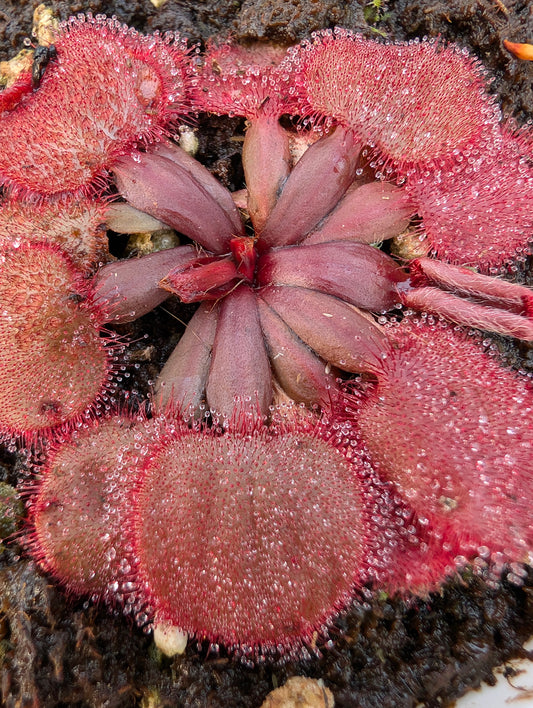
column 108, row 88
column 201, row 279
column 453, row 430
column 416, row 102
column 338, row 332
column 239, row 364
column 315, row 185
column 129, row 289
column 463, row 281
column 468, row 313
column 202, row 175
column 354, row 272
column 301, row 374
column 182, row 380
column 170, row 193
column 481, row 213
column 265, row 159
column 368, row 213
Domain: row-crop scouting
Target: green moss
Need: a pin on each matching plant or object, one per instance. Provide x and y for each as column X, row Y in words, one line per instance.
column 375, row 12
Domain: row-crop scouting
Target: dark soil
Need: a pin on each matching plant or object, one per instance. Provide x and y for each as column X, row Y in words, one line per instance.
column 386, row 652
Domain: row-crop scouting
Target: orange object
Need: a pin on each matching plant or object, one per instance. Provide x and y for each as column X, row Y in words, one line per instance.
column 521, row 51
